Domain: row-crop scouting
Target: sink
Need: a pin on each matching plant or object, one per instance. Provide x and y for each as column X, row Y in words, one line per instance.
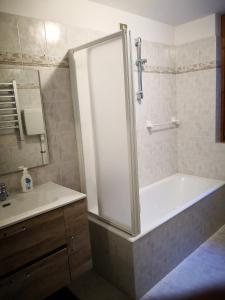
column 45, row 197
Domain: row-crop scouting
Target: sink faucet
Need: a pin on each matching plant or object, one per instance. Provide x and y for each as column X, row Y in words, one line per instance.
column 3, row 192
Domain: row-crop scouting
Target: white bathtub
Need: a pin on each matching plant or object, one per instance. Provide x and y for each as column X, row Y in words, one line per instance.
column 164, row 199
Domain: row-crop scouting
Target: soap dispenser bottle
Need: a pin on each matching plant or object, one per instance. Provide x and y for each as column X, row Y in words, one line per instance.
column 26, row 180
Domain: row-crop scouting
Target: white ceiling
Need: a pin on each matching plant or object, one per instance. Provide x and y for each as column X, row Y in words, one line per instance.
column 173, row 12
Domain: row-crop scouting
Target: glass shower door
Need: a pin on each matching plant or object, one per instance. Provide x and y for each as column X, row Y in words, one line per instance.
column 101, row 73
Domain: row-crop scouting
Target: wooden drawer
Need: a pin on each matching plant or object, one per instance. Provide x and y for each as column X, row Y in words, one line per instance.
column 78, row 241
column 38, row 280
column 30, row 240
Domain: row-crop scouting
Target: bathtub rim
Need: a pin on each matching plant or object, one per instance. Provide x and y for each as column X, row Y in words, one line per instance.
column 219, row 184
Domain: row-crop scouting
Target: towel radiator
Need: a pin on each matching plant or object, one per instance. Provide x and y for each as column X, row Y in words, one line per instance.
column 10, row 115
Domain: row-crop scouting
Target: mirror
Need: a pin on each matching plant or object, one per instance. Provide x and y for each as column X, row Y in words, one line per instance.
column 23, row 139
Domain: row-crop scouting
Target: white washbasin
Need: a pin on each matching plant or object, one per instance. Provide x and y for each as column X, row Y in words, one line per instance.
column 43, row 198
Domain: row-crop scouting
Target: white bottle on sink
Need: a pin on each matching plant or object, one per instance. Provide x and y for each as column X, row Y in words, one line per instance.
column 26, row 180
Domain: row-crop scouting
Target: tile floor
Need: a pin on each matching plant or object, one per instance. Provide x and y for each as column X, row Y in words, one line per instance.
column 200, row 276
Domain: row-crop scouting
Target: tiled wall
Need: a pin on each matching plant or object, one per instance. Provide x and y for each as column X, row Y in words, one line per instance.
column 198, row 98
column 42, row 45
column 157, row 151
column 180, row 81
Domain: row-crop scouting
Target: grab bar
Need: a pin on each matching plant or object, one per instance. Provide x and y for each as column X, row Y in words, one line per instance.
column 174, row 122
column 140, row 67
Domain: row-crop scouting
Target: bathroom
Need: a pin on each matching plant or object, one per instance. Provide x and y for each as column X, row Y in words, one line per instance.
column 117, row 210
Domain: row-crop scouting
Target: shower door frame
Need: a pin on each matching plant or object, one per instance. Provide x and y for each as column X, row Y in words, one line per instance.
column 130, row 124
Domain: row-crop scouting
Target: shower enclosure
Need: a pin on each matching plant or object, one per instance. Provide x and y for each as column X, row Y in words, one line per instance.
column 102, row 87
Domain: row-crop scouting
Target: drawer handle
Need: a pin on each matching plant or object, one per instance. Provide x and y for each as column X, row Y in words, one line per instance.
column 73, row 243
column 8, row 234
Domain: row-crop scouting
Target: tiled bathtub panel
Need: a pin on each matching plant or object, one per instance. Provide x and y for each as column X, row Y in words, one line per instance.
column 123, row 261
column 143, row 265
column 170, row 245
column 112, row 258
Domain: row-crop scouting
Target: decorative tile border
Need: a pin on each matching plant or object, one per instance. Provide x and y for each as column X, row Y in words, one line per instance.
column 197, row 67
column 195, row 56
column 180, row 69
column 10, row 58
column 159, row 69
column 34, row 60
column 7, row 58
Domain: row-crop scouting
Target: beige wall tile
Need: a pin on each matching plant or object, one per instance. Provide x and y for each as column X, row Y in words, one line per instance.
column 33, row 40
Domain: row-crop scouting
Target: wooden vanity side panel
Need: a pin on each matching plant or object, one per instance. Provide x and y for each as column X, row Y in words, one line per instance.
column 29, row 240
column 78, row 240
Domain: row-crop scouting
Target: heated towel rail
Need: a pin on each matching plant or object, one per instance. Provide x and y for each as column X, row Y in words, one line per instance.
column 10, row 116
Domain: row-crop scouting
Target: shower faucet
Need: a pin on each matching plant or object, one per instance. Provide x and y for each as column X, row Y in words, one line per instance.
column 3, row 192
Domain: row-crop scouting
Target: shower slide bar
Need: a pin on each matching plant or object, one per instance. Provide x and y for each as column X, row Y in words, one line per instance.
column 8, row 90
column 140, row 67
column 173, row 122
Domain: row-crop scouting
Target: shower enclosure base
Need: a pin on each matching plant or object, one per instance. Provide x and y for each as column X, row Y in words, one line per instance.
column 136, row 265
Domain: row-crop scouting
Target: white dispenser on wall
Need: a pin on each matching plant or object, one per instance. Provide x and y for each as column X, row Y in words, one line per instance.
column 26, row 180
column 34, row 122
column 34, row 125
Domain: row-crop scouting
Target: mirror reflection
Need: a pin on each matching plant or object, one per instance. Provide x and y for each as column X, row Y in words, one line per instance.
column 23, row 139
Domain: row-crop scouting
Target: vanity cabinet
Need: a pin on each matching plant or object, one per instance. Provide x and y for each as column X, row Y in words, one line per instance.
column 42, row 254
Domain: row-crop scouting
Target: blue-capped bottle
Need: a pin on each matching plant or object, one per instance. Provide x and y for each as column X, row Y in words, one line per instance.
column 26, row 180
